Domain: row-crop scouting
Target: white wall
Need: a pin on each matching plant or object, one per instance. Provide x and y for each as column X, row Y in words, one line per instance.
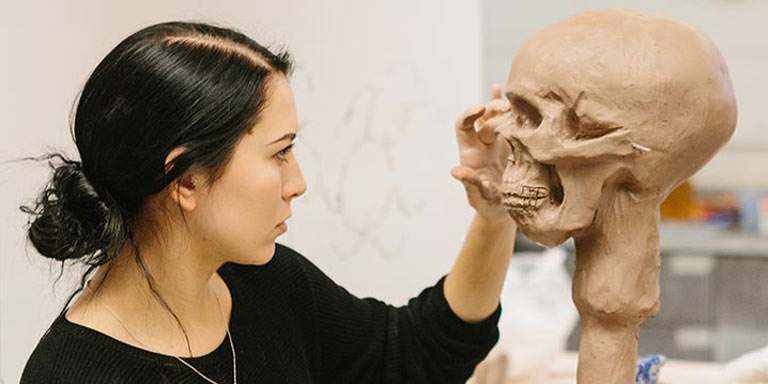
column 378, row 87
column 738, row 28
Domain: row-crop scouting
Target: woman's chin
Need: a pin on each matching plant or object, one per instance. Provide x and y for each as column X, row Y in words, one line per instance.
column 258, row 257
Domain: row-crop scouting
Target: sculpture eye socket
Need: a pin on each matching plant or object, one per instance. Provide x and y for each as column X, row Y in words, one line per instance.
column 585, row 127
column 525, row 114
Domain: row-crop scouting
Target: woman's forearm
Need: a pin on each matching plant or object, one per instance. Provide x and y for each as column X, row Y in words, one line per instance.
column 473, row 286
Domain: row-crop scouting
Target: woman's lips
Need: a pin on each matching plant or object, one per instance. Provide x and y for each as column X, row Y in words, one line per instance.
column 283, row 226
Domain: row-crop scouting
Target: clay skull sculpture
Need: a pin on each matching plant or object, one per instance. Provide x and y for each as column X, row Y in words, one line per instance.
column 610, row 110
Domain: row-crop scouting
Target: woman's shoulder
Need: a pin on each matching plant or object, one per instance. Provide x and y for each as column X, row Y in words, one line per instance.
column 62, row 355
column 51, row 352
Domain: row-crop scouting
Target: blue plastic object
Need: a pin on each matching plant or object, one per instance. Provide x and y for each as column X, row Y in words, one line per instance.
column 648, row 368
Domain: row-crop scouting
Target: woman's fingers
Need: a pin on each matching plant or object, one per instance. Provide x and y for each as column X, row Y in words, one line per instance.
column 467, row 119
column 474, row 122
column 499, row 102
column 465, row 125
column 486, row 133
column 487, row 127
column 495, row 92
column 498, row 105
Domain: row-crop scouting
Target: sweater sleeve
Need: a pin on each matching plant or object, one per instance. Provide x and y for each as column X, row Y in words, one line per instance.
column 368, row 341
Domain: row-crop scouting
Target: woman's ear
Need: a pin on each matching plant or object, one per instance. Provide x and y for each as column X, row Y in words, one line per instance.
column 185, row 192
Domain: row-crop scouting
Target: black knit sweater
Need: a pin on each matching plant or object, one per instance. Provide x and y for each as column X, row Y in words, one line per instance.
column 290, row 323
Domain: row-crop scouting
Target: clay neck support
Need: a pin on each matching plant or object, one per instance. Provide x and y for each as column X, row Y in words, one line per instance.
column 616, row 285
column 617, row 264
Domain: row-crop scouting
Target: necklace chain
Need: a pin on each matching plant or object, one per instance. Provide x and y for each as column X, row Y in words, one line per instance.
column 127, row 329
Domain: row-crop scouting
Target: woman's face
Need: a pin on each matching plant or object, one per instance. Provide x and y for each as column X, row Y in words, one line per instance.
column 238, row 217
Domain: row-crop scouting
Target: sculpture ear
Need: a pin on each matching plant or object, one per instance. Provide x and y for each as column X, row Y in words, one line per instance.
column 614, row 143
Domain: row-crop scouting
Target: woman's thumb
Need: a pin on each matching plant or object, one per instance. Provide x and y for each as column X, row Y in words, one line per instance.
column 467, row 176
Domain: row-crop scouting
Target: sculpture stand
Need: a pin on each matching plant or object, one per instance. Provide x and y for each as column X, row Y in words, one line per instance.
column 615, row 287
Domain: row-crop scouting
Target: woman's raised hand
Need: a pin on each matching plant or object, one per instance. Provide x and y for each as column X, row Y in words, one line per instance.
column 483, row 155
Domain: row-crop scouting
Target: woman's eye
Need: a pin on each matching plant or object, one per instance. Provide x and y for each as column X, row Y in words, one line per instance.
column 281, row 155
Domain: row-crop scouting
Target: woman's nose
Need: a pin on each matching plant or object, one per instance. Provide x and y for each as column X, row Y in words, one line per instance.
column 296, row 184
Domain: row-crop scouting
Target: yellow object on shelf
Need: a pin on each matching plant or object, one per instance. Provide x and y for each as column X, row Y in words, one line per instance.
column 680, row 204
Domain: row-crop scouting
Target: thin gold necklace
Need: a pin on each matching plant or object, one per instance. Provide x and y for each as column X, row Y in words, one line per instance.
column 127, row 329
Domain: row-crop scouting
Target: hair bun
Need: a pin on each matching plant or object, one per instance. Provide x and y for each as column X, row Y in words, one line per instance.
column 72, row 220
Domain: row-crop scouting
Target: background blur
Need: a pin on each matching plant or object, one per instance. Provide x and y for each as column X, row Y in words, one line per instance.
column 378, row 87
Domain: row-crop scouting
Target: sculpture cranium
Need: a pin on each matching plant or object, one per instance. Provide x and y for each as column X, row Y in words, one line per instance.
column 610, row 110
column 604, row 101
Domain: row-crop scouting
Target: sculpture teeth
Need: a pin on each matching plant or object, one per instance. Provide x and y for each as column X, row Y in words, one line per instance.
column 526, row 198
column 528, row 192
column 533, row 192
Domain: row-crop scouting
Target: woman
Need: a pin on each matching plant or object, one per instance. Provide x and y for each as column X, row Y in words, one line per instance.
column 185, row 181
